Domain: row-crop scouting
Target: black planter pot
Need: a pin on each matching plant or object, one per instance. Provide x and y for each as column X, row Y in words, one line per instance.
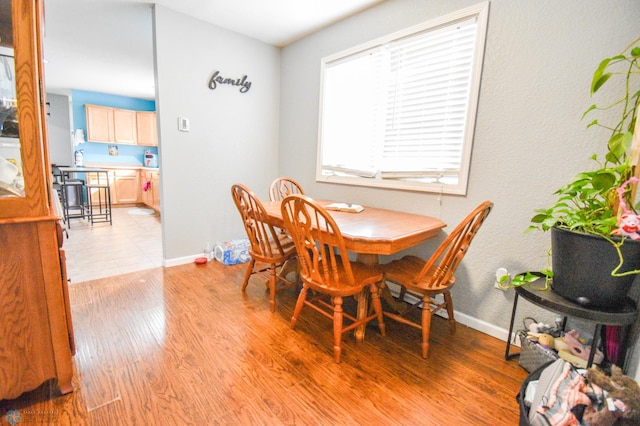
column 582, row 266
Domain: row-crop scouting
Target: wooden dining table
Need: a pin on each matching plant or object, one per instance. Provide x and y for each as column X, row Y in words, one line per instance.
column 371, row 233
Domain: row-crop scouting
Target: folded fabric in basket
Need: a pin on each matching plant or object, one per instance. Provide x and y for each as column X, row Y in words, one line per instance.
column 232, row 252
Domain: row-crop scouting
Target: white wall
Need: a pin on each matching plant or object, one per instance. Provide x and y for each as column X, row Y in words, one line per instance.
column 233, row 137
column 529, row 139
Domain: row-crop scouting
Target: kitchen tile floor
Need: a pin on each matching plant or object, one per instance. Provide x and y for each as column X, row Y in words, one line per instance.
column 132, row 243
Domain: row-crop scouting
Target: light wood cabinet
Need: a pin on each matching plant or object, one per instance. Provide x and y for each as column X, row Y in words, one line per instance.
column 147, row 128
column 99, row 123
column 124, row 185
column 123, row 126
column 146, row 190
column 155, row 184
column 150, row 189
column 35, row 316
column 110, row 125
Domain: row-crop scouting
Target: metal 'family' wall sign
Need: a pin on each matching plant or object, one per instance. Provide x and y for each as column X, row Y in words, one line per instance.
column 217, row 79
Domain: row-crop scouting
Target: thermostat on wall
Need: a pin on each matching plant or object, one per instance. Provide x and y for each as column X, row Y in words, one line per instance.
column 183, row 124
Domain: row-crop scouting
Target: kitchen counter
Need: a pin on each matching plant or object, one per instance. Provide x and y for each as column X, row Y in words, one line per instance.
column 118, row 166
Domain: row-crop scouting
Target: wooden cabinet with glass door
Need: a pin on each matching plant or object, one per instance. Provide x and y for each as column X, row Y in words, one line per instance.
column 35, row 316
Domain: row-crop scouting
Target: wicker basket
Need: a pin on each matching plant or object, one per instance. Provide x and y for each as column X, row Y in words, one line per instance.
column 532, row 354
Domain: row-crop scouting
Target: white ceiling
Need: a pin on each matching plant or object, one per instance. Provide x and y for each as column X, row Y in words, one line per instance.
column 106, row 45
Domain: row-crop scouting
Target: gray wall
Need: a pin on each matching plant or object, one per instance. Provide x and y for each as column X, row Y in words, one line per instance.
column 529, row 139
column 233, row 137
column 59, row 130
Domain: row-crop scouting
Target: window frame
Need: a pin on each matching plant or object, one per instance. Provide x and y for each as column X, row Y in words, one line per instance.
column 480, row 12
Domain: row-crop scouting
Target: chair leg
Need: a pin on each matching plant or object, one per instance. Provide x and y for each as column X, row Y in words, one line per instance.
column 272, row 287
column 426, row 325
column 337, row 327
column 299, row 304
column 247, row 274
column 449, row 301
column 377, row 307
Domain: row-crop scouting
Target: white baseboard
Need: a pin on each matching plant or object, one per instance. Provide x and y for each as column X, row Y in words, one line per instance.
column 469, row 321
column 180, row 260
column 482, row 326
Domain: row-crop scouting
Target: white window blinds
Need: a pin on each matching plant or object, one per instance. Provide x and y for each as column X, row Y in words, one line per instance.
column 402, row 108
column 427, row 101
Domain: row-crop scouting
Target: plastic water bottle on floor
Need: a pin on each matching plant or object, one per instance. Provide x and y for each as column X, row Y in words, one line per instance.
column 208, row 251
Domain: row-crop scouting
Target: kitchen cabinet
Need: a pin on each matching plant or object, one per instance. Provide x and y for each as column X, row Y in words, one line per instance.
column 124, row 126
column 99, row 123
column 147, row 128
column 110, row 125
column 155, row 184
column 123, row 185
column 150, row 192
column 35, row 315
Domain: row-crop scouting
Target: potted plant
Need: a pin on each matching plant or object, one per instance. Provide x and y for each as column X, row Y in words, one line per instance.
column 584, row 221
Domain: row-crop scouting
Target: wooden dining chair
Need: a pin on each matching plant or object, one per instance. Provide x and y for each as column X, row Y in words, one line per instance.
column 325, row 268
column 282, row 187
column 270, row 249
column 425, row 279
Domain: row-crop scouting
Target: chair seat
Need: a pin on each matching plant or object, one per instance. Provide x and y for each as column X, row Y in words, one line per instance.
column 325, row 269
column 363, row 276
column 405, row 271
column 268, row 245
column 288, row 250
column 427, row 278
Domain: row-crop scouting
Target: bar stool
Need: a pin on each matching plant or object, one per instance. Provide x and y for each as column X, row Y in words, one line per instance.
column 98, row 197
column 71, row 195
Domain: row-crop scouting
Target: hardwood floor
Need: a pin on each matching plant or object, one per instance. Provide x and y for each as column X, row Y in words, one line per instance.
column 183, row 345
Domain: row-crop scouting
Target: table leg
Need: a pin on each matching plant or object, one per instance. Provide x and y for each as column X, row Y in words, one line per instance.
column 367, row 259
column 289, row 266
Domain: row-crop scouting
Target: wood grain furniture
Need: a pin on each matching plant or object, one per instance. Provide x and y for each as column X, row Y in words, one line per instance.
column 123, row 126
column 426, row 279
column 150, row 189
column 270, row 249
column 373, row 232
column 283, row 187
column 35, row 318
column 325, row 268
column 147, row 127
column 623, row 315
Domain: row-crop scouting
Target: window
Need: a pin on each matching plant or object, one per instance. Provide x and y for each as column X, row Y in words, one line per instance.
column 399, row 112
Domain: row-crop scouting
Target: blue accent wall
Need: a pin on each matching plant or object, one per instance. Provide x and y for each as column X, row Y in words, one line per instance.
column 99, row 152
